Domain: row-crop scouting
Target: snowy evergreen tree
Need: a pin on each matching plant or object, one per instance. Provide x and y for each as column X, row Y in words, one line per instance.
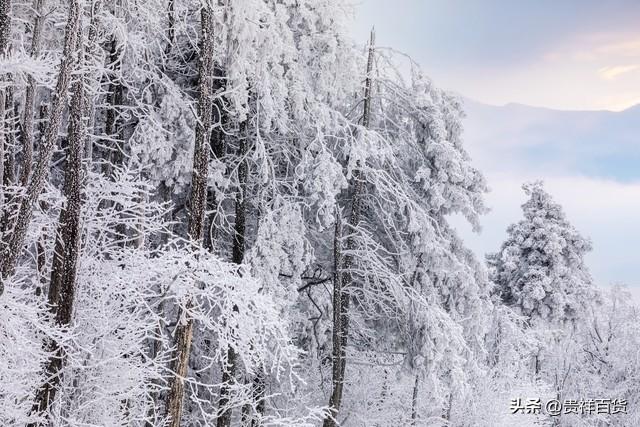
column 540, row 269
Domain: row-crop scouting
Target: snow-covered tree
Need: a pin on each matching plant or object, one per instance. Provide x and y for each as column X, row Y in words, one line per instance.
column 540, row 269
column 218, row 212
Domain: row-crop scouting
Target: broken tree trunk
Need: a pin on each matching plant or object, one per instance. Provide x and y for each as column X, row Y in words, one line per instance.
column 344, row 278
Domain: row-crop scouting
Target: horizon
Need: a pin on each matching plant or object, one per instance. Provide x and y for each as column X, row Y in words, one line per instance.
column 542, row 107
column 578, row 155
column 502, row 52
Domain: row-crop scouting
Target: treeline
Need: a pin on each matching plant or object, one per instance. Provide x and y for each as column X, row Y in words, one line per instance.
column 228, row 213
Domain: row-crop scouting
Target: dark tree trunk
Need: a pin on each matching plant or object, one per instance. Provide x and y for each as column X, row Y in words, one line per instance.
column 184, row 331
column 345, row 279
column 5, row 26
column 237, row 256
column 41, row 254
column 414, row 400
column 218, row 150
column 2, row 153
column 11, row 198
column 29, row 98
column 113, row 127
column 36, row 184
column 9, row 132
column 5, row 36
column 62, row 286
column 115, row 96
column 171, row 30
column 258, row 388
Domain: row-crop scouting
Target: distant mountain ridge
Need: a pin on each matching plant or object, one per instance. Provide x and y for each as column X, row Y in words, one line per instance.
column 594, row 143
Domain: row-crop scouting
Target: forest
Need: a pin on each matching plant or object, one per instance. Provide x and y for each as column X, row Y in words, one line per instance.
column 230, row 213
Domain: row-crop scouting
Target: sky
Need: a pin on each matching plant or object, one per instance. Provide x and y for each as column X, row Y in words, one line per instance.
column 569, row 54
column 578, row 62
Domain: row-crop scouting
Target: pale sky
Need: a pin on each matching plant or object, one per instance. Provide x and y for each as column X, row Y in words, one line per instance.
column 557, row 54
column 566, row 54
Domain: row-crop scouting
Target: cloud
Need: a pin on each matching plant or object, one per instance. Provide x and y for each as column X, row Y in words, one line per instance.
column 610, row 73
column 537, row 53
column 624, row 45
column 541, row 53
column 588, row 160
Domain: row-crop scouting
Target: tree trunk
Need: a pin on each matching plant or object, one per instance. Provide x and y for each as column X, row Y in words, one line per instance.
column 2, row 139
column 337, row 353
column 237, row 256
column 41, row 254
column 62, row 286
column 5, row 37
column 41, row 172
column 184, row 330
column 29, row 98
column 113, row 127
column 5, row 26
column 218, row 149
column 341, row 302
column 11, row 198
column 414, row 400
column 252, row 413
column 9, row 121
column 171, row 30
column 114, row 102
column 448, row 408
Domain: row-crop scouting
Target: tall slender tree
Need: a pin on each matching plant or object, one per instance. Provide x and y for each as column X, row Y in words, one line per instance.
column 14, row 248
column 184, row 330
column 30, row 94
column 5, row 41
column 344, row 277
column 62, row 285
column 237, row 256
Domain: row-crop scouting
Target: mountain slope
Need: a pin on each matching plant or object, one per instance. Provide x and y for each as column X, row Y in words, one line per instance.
column 594, row 143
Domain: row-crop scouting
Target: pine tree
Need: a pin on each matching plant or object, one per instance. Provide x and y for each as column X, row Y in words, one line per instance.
column 540, row 269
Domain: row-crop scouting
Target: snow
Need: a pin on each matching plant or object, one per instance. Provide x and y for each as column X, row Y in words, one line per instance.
column 314, row 193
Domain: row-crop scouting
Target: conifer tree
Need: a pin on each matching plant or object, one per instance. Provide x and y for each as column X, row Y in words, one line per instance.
column 540, row 269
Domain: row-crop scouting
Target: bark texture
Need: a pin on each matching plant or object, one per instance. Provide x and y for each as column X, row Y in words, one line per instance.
column 62, row 287
column 115, row 96
column 29, row 98
column 69, row 58
column 5, row 42
column 344, row 277
column 414, row 400
column 5, row 26
column 184, row 330
column 237, row 256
